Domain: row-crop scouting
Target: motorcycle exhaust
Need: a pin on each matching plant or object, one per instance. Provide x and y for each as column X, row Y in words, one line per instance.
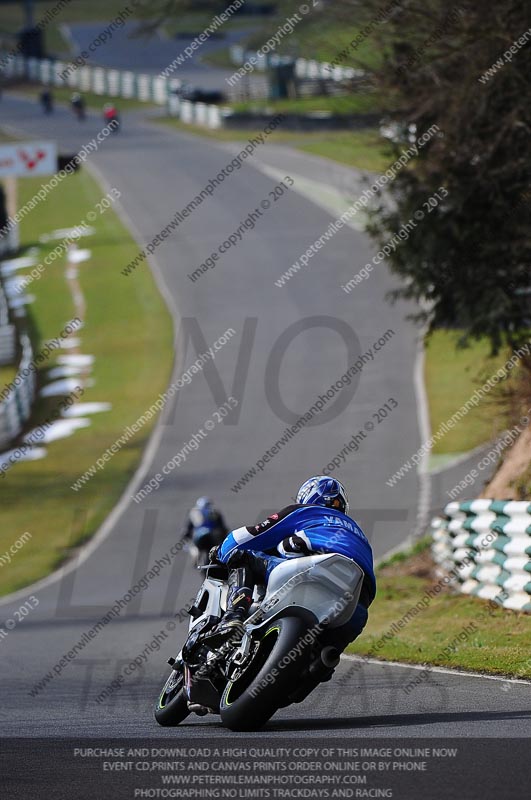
column 328, row 659
column 319, row 671
column 198, row 709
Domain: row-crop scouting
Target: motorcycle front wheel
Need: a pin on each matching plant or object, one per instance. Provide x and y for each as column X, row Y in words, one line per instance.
column 248, row 702
column 172, row 706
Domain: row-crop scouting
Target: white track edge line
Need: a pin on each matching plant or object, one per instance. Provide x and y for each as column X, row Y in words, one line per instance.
column 443, row 670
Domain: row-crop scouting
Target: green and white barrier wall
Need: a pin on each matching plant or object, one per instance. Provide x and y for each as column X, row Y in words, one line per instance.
column 486, row 546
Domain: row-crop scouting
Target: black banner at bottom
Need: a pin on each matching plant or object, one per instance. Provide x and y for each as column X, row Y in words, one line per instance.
column 253, row 766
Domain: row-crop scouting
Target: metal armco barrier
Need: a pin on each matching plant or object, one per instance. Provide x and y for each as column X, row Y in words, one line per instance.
column 9, row 243
column 15, row 410
column 8, row 342
column 486, row 544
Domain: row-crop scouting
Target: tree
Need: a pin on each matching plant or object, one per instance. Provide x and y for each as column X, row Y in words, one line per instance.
column 468, row 262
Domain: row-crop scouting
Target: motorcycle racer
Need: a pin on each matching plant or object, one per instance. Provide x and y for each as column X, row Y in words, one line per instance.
column 204, row 525
column 317, row 523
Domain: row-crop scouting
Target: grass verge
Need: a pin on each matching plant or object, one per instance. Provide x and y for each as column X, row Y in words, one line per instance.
column 353, row 103
column 498, row 639
column 365, row 150
column 319, row 36
column 220, row 57
column 7, row 374
column 126, row 324
column 522, row 484
column 192, row 23
column 452, row 376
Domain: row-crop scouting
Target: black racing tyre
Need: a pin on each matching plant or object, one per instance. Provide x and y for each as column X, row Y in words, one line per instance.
column 172, row 707
column 273, row 670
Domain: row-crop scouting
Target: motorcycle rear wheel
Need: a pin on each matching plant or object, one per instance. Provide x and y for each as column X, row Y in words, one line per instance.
column 250, row 701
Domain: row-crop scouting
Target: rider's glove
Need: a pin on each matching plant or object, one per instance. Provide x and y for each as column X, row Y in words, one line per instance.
column 213, row 555
column 239, row 558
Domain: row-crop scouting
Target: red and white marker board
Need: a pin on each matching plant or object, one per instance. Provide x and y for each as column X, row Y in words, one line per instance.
column 24, row 159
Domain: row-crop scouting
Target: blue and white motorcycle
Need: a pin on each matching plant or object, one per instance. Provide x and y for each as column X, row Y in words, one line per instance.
column 280, row 658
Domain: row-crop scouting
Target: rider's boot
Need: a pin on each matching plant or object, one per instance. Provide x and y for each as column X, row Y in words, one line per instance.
column 242, row 579
column 251, row 570
column 238, row 607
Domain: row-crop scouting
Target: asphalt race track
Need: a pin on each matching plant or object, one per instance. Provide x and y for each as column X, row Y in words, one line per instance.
column 158, row 172
column 157, row 53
